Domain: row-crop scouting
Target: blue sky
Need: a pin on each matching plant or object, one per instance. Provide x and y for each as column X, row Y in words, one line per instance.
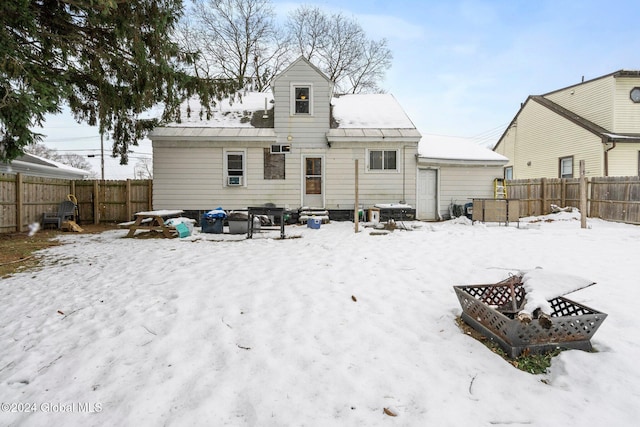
column 462, row 68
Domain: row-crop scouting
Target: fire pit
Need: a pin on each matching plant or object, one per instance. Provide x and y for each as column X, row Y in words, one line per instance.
column 492, row 310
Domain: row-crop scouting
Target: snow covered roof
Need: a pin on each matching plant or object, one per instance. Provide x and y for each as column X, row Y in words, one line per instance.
column 30, row 164
column 361, row 111
column 232, row 112
column 447, row 149
column 370, row 111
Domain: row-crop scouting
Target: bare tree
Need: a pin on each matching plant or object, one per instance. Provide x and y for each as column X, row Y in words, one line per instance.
column 339, row 47
column 370, row 67
column 307, row 29
column 144, row 168
column 76, row 161
column 237, row 39
column 43, row 151
column 73, row 160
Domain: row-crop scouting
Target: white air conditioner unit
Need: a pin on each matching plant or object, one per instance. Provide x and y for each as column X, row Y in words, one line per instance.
column 280, row 148
column 234, row 180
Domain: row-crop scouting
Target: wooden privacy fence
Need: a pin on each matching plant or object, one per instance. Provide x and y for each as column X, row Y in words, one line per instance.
column 609, row 198
column 23, row 199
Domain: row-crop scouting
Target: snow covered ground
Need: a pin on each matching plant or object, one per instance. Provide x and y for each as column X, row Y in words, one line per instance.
column 220, row 330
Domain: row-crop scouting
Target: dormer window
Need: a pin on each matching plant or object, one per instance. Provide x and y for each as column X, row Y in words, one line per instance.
column 302, row 100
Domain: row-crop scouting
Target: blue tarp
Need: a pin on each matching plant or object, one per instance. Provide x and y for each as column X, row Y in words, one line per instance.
column 216, row 213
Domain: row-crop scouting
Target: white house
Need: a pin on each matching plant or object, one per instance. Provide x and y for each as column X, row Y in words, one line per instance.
column 294, row 147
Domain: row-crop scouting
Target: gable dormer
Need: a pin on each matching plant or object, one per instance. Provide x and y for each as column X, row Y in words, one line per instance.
column 302, row 97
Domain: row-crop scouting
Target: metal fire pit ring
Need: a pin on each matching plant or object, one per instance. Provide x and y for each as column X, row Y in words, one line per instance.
column 491, row 309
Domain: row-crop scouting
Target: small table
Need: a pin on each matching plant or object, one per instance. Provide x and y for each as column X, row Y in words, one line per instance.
column 393, row 211
column 153, row 221
column 270, row 211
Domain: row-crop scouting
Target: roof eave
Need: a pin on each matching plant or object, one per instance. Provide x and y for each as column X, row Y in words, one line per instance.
column 431, row 161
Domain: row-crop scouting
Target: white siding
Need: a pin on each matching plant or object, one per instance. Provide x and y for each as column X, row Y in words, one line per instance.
column 373, row 186
column 627, row 113
column 592, row 100
column 461, row 184
column 305, row 131
column 193, row 179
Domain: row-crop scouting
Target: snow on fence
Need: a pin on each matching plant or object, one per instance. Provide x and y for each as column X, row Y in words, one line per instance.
column 23, row 199
column 609, row 198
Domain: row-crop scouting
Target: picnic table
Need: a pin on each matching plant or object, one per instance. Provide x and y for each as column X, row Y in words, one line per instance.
column 153, row 221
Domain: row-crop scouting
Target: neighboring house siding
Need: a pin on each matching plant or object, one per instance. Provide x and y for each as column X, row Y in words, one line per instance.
column 623, row 159
column 507, row 146
column 543, row 138
column 592, row 100
column 461, row 184
column 627, row 113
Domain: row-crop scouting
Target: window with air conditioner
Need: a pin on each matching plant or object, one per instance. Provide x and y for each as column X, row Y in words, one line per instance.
column 235, row 167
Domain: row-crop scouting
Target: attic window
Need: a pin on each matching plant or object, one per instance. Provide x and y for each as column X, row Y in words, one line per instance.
column 302, row 100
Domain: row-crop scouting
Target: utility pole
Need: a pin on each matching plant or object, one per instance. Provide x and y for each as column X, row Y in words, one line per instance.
column 102, row 154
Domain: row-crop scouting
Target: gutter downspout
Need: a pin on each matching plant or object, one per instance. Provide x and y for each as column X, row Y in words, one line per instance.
column 606, row 156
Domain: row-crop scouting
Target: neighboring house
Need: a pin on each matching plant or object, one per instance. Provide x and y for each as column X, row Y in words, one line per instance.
column 454, row 171
column 29, row 164
column 597, row 121
column 294, row 147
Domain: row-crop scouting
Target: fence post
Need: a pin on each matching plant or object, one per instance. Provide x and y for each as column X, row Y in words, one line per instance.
column 96, row 202
column 19, row 202
column 128, row 199
column 529, row 201
column 543, row 195
column 150, row 190
column 583, row 196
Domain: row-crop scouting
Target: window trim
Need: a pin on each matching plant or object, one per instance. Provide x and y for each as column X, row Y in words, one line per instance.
column 226, row 175
column 560, row 160
column 383, row 169
column 294, row 86
column 510, row 168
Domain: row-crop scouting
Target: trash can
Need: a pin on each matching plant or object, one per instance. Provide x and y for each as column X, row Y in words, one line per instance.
column 239, row 222
column 213, row 221
column 468, row 210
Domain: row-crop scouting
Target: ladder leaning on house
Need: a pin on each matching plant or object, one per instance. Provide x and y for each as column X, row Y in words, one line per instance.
column 499, row 188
